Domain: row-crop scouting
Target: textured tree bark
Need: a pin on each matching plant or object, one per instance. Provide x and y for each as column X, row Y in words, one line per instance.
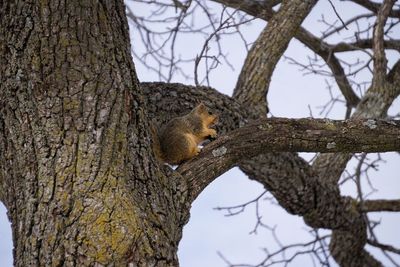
column 77, row 173
column 76, row 169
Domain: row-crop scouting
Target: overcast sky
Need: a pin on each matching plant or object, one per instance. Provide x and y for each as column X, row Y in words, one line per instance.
column 291, row 94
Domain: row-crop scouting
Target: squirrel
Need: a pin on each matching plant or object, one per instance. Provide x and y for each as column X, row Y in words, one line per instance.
column 178, row 140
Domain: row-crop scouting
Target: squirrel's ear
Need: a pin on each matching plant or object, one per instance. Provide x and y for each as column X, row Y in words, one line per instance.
column 200, row 107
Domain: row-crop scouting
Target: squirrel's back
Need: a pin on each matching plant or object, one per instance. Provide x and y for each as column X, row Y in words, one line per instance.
column 179, row 138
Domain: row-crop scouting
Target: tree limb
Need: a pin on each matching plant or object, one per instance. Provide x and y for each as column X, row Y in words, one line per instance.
column 364, row 44
column 383, row 246
column 342, row 245
column 374, row 7
column 254, row 79
column 380, row 205
column 393, row 76
column 290, row 135
column 314, row 43
column 380, row 61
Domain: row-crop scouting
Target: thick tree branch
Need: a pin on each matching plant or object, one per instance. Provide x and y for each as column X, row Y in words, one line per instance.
column 374, row 104
column 380, row 205
column 289, row 135
column 315, row 44
column 380, row 61
column 342, row 247
column 254, row 79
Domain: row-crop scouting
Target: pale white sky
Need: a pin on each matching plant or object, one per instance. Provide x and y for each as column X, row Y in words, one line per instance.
column 208, row 230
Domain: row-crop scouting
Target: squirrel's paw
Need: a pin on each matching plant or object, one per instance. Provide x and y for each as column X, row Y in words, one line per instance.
column 198, row 149
column 213, row 134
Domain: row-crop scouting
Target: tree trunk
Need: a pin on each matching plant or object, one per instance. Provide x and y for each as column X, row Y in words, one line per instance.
column 77, row 174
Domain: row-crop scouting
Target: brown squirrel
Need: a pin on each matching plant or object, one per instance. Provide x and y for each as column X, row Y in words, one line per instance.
column 178, row 140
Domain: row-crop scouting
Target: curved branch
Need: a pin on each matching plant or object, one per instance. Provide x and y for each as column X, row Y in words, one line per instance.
column 254, row 79
column 393, row 77
column 380, row 61
column 342, row 247
column 315, row 44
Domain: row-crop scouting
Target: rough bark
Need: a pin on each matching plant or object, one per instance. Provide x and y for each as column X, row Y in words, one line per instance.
column 77, row 173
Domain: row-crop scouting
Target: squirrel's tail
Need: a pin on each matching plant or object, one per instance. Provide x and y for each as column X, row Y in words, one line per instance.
column 156, row 141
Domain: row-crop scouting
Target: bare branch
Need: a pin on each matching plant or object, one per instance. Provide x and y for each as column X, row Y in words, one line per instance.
column 364, row 44
column 223, row 24
column 374, row 7
column 344, row 26
column 234, row 210
column 383, row 246
column 326, row 52
column 337, row 14
column 287, row 253
column 380, row 61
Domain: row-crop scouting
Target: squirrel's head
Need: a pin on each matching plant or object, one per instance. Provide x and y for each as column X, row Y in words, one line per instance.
column 205, row 114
